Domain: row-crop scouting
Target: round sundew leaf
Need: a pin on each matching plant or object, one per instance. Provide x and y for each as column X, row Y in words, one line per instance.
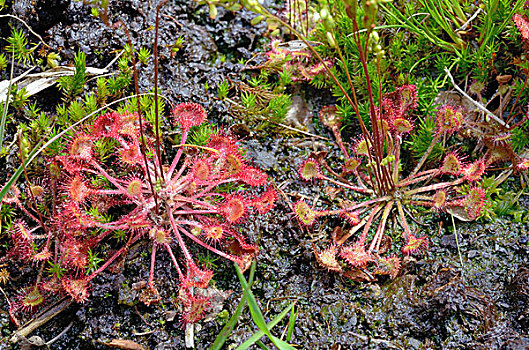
column 415, row 245
column 356, row 255
column 327, row 259
column 329, row 117
column 253, row 177
column 474, row 171
column 134, row 187
column 451, row 165
column 188, row 115
column 78, row 190
column 439, row 199
column 202, row 170
column 81, row 147
column 304, row 213
column 309, row 170
column 402, row 125
column 233, row 209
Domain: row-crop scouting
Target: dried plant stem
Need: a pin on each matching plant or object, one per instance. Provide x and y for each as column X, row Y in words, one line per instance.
column 29, row 28
column 477, row 104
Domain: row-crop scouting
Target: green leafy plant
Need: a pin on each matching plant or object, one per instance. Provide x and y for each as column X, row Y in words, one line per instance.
column 20, row 47
column 73, row 85
column 224, row 334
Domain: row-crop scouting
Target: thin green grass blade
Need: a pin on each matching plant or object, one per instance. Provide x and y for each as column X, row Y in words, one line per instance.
column 228, row 327
column 261, row 345
column 291, row 323
column 258, row 335
column 257, row 316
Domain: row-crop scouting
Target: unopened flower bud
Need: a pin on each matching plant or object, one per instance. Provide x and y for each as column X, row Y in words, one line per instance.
column 330, row 39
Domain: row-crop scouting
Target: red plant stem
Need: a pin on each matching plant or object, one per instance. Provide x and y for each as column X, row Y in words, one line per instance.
column 180, row 172
column 424, row 175
column 178, row 270
column 183, row 200
column 434, row 187
column 369, row 202
column 188, row 222
column 178, row 236
column 207, row 246
column 151, row 270
column 107, row 192
column 339, row 141
column 358, row 178
column 370, row 219
column 107, row 176
column 27, row 212
column 404, row 222
column 107, row 263
column 421, row 203
column 210, row 187
column 323, row 163
column 351, row 232
column 380, row 229
column 193, row 211
column 354, row 188
column 185, row 132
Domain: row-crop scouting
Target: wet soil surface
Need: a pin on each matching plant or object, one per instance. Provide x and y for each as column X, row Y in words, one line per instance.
column 435, row 303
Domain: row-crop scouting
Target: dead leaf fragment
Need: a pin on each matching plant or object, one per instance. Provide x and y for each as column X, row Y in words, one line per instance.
column 125, row 344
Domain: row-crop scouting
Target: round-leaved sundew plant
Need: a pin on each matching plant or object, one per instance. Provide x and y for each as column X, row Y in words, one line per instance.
column 132, row 195
column 372, row 192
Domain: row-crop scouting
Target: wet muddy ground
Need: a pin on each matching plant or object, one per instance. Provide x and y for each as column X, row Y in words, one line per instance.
column 435, row 303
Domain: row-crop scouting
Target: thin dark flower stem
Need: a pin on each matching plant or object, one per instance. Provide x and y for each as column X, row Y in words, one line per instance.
column 383, row 186
column 298, row 5
column 315, row 53
column 156, row 116
column 362, row 52
column 143, row 147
